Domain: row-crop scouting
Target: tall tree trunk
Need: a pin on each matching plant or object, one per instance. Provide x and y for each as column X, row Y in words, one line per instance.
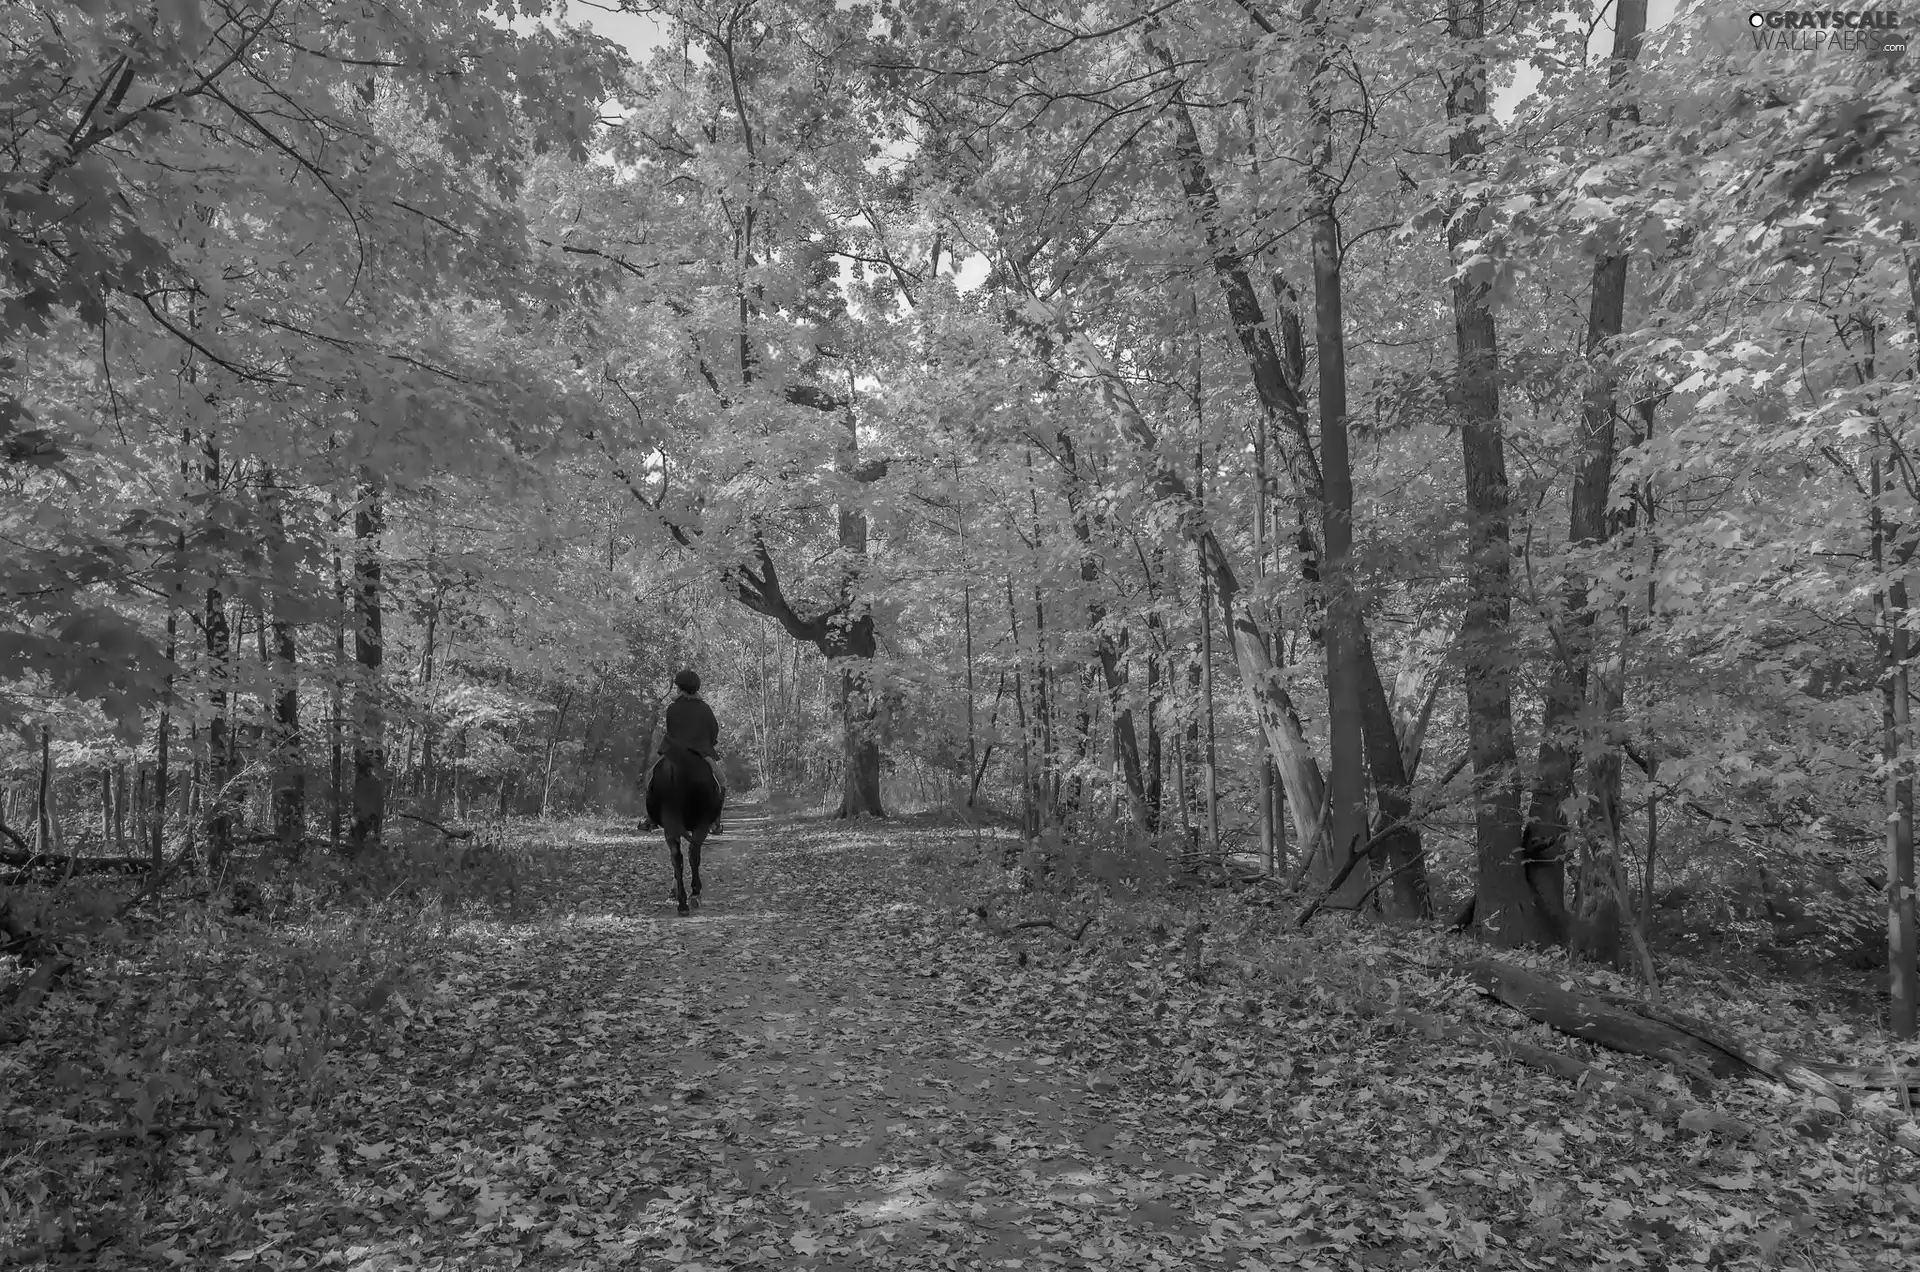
column 424, row 778
column 1273, row 706
column 1262, row 566
column 1506, row 910
column 1347, row 775
column 1155, row 695
column 1397, row 848
column 766, row 716
column 1567, row 685
column 853, row 644
column 336, row 728
column 553, row 746
column 1896, row 752
column 859, row 721
column 369, row 733
column 1029, row 803
column 1897, row 741
column 289, row 765
column 122, row 793
column 220, row 753
column 43, row 801
column 1281, row 402
column 163, row 748
column 138, row 808
column 1211, row 771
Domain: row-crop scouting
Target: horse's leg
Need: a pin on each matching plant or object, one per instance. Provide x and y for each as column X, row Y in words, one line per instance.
column 693, row 851
column 679, row 884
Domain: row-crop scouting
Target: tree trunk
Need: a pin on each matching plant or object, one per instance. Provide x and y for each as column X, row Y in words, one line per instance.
column 1507, row 910
column 860, row 770
column 220, row 755
column 1896, row 755
column 1273, row 706
column 1398, row 855
column 1347, row 775
column 369, row 734
column 290, row 770
column 1299, row 775
column 1049, row 767
column 162, row 749
column 766, row 713
column 1262, row 567
column 1211, row 770
column 424, row 783
column 336, row 758
column 553, row 745
column 43, row 802
column 1567, row 685
column 1903, row 920
column 1155, row 694
column 1029, row 805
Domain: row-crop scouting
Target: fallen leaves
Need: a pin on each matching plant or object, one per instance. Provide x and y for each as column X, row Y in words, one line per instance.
column 831, row 1066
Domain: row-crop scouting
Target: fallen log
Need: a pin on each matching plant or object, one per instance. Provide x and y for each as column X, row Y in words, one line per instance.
column 1792, row 1071
column 1588, row 1077
column 46, row 863
column 1859, row 1078
column 1589, row 1016
column 449, row 831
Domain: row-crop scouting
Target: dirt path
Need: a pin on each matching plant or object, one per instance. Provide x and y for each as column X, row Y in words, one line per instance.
column 764, row 1084
column 838, row 1064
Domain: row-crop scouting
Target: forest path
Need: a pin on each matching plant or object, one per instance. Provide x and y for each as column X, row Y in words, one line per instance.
column 797, row 1076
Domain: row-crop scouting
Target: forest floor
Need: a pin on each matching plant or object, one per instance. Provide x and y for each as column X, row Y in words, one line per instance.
column 840, row 1062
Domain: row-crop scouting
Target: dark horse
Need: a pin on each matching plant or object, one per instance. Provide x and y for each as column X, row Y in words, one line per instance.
column 684, row 799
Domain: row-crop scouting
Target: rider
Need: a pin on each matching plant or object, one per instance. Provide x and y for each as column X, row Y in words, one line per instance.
column 691, row 723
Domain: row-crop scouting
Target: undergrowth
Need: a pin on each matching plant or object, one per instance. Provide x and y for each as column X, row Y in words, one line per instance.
column 191, row 1041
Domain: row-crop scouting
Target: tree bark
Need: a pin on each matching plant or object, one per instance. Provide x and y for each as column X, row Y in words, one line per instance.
column 220, row 757
column 1211, row 771
column 369, row 741
column 1567, row 685
column 336, row 757
column 290, row 770
column 1281, row 402
column 859, row 720
column 163, row 748
column 1273, row 706
column 1398, row 856
column 1155, row 782
column 1347, row 773
column 1126, row 740
column 1896, row 754
column 1507, row 909
column 43, row 837
column 1587, row 1016
column 553, row 745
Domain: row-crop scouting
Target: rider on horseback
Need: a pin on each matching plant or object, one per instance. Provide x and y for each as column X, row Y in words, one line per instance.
column 690, row 722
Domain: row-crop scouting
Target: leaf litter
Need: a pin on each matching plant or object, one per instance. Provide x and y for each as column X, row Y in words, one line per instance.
column 856, row 1056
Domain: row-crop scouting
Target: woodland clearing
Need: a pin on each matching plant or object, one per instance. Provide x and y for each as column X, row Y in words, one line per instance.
column 839, row 1063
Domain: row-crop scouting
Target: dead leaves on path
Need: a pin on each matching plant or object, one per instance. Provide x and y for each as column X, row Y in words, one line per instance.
column 839, row 1064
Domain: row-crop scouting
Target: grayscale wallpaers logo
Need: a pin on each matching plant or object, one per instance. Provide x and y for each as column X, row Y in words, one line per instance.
column 1813, row 30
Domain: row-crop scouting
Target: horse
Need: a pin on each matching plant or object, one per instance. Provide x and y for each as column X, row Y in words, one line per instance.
column 684, row 799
